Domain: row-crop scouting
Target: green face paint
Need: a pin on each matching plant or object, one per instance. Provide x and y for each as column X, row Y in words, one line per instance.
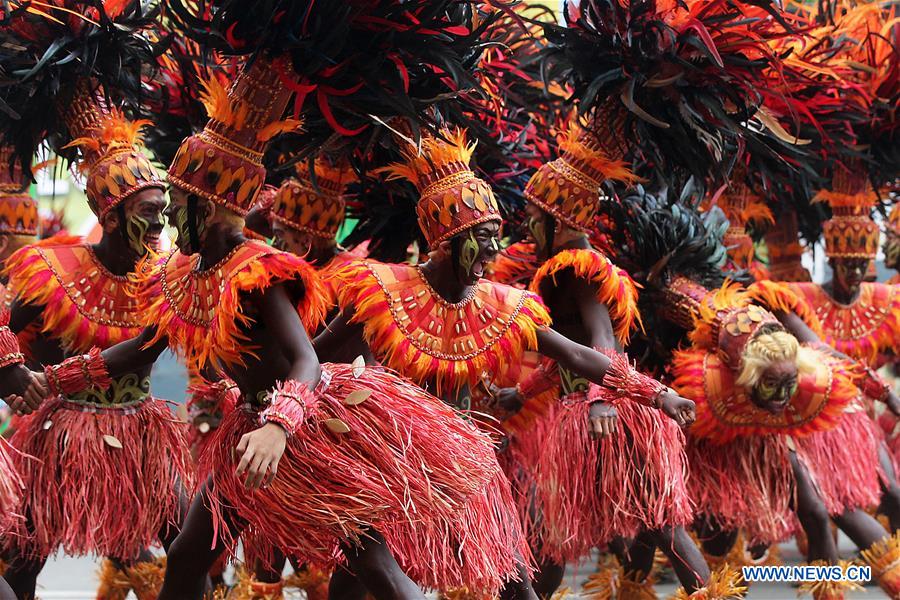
column 536, row 227
column 468, row 252
column 136, row 229
column 181, row 226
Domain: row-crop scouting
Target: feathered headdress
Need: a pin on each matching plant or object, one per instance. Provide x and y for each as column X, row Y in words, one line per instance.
column 451, row 198
column 851, row 232
column 683, row 77
column 18, row 210
column 55, row 55
column 313, row 201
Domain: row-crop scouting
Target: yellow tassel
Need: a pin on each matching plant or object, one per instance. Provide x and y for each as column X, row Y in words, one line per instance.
column 724, row 583
column 463, row 593
column 884, row 558
column 612, row 582
column 829, row 590
column 114, row 583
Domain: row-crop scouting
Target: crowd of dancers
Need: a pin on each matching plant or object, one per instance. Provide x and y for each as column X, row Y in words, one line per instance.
column 568, row 311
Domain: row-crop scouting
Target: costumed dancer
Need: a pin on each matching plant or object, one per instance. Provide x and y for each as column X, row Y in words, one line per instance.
column 78, row 293
column 331, row 433
column 19, row 220
column 754, row 379
column 743, row 207
column 641, row 469
column 90, row 445
column 443, row 325
column 303, row 216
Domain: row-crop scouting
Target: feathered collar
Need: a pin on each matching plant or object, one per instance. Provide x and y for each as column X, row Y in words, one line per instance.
column 83, row 303
column 202, row 312
column 863, row 329
column 615, row 288
column 725, row 410
column 413, row 330
column 515, row 265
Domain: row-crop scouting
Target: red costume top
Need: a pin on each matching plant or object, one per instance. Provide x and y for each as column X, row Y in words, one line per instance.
column 411, row 329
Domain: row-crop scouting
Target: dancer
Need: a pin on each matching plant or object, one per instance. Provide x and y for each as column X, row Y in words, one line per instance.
column 222, row 300
column 442, row 324
column 100, row 438
column 18, row 213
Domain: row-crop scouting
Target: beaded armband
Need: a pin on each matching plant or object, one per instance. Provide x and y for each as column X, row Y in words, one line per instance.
column 536, row 383
column 78, row 373
column 9, row 343
column 288, row 404
column 873, row 385
column 623, row 381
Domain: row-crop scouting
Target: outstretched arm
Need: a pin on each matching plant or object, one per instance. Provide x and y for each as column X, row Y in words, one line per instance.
column 622, row 379
column 131, row 355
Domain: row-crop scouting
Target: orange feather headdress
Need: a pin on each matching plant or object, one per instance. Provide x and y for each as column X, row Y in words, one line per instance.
column 223, row 163
column 18, row 210
column 851, row 232
column 314, row 202
column 452, row 199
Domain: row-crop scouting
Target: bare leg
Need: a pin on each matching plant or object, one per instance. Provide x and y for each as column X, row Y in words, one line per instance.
column 861, row 527
column 813, row 517
column 890, row 497
column 548, row 578
column 713, row 539
column 21, row 576
column 344, row 585
column 635, row 557
column 688, row 563
column 192, row 553
column 270, row 573
column 378, row 571
column 521, row 589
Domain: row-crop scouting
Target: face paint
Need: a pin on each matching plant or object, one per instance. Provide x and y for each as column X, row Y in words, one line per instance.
column 136, row 229
column 181, row 226
column 468, row 252
column 892, row 251
column 538, row 232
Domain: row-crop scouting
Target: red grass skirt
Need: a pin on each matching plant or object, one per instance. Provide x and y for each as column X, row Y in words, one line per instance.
column 85, row 495
column 10, row 487
column 843, row 463
column 519, row 461
column 592, row 490
column 746, row 484
column 409, row 468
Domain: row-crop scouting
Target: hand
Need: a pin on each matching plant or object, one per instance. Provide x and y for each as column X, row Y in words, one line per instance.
column 603, row 418
column 508, row 399
column 260, row 451
column 15, row 380
column 893, row 403
column 681, row 410
column 37, row 390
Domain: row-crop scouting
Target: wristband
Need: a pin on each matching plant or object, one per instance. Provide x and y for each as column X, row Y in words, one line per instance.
column 537, row 382
column 78, row 373
column 874, row 386
column 9, row 348
column 288, row 404
column 623, row 381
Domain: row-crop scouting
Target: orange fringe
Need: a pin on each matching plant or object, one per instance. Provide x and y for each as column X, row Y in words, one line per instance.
column 432, row 154
column 359, row 290
column 730, row 295
column 253, row 266
column 778, row 297
column 615, row 288
column 33, row 281
column 572, row 144
column 516, row 265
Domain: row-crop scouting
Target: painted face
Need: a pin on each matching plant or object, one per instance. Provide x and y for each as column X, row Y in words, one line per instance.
column 892, row 250
column 478, row 247
column 292, row 240
column 776, row 387
column 849, row 273
column 177, row 214
column 144, row 220
column 537, row 227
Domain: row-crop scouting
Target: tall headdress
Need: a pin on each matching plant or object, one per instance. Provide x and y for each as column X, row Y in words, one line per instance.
column 451, row 198
column 742, row 207
column 112, row 156
column 60, row 59
column 18, row 210
column 314, row 202
column 569, row 187
column 785, row 250
column 851, row 232
column 223, row 163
